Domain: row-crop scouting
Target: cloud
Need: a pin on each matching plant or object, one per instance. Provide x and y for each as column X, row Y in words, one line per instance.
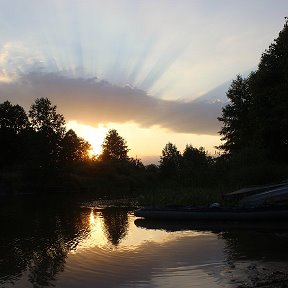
column 92, row 101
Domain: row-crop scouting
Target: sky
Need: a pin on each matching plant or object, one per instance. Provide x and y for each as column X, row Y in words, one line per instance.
column 156, row 71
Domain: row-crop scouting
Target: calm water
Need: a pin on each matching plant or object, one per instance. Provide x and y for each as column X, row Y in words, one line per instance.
column 56, row 243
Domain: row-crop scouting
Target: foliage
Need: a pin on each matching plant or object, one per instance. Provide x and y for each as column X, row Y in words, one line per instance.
column 257, row 116
column 181, row 196
column 137, row 163
column 236, row 120
column 270, row 89
column 196, row 166
column 74, row 148
column 114, row 147
column 44, row 118
column 13, row 118
column 196, row 157
column 40, row 140
column 48, row 131
column 13, row 123
column 39, row 153
column 170, row 161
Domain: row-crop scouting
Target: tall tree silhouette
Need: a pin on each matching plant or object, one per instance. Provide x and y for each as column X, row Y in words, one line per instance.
column 44, row 117
column 269, row 87
column 197, row 157
column 74, row 148
column 170, row 161
column 13, row 118
column 13, row 123
column 257, row 116
column 49, row 127
column 196, row 165
column 236, row 117
column 114, row 147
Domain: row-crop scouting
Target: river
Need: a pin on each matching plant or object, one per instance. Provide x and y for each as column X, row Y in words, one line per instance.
column 74, row 244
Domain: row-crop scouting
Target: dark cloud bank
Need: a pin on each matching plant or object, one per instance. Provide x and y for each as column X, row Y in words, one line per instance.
column 91, row 101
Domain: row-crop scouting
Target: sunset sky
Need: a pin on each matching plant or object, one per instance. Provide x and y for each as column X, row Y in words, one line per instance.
column 157, row 71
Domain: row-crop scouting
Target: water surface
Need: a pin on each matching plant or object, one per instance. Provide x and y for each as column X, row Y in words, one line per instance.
column 68, row 244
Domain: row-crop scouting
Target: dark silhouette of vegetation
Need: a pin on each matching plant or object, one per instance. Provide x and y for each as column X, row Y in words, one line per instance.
column 114, row 147
column 237, row 128
column 254, row 132
column 196, row 166
column 256, row 117
column 255, row 122
column 48, row 129
column 192, row 168
column 73, row 148
column 38, row 235
column 36, row 147
column 37, row 153
column 13, row 124
column 170, row 161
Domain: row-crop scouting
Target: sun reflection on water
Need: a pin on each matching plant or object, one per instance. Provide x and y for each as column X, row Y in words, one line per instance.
column 95, row 236
column 107, row 232
column 92, row 219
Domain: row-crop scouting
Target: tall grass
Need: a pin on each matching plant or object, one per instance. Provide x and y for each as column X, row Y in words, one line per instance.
column 181, row 196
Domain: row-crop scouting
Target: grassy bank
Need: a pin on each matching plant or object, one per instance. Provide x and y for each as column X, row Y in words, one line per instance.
column 181, row 196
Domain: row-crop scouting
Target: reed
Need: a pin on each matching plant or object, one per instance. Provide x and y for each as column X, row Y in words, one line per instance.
column 181, row 196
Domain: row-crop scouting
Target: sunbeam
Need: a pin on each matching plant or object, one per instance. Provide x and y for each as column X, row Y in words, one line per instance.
column 132, row 62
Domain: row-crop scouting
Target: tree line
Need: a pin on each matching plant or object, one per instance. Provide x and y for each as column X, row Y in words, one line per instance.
column 38, row 139
column 256, row 119
column 37, row 146
column 254, row 130
column 37, row 149
column 254, row 145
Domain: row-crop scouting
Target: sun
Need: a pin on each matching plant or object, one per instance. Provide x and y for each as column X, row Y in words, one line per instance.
column 95, row 136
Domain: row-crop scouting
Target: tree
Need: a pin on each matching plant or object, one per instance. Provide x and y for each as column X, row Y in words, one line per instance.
column 170, row 161
column 44, row 118
column 13, row 123
column 114, row 147
column 269, row 86
column 256, row 117
column 74, row 148
column 13, row 118
column 136, row 163
column 196, row 166
column 197, row 158
column 49, row 129
column 236, row 130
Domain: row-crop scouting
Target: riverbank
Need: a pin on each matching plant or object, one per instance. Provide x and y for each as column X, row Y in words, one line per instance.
column 182, row 196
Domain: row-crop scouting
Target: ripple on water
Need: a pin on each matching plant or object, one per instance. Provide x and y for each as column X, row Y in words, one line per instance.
column 106, row 248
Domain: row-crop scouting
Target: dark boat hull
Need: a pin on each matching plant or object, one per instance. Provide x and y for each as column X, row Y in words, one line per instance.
column 212, row 225
column 212, row 214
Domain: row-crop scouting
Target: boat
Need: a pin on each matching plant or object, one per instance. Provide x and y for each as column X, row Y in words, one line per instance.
column 273, row 197
column 212, row 226
column 269, row 202
column 247, row 191
column 214, row 213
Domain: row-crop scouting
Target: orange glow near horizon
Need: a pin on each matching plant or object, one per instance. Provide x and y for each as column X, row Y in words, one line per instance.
column 138, row 137
column 95, row 136
column 135, row 238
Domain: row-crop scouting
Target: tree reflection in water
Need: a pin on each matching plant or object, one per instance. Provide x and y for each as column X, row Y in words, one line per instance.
column 115, row 224
column 255, row 252
column 256, row 244
column 37, row 236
